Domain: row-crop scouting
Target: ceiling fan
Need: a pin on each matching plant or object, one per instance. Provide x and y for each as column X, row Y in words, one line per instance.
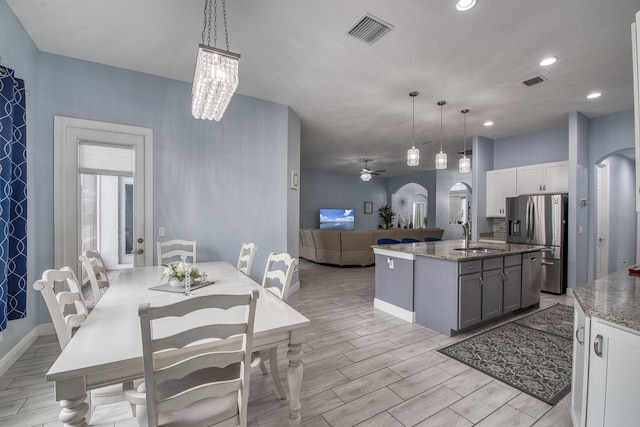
column 366, row 173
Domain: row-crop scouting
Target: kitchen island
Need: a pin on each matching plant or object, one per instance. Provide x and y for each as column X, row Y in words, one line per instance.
column 606, row 351
column 448, row 287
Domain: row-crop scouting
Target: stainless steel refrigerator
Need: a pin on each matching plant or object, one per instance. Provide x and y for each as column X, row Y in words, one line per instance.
column 542, row 220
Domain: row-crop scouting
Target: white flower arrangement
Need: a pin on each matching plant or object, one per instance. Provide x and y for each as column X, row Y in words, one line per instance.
column 178, row 271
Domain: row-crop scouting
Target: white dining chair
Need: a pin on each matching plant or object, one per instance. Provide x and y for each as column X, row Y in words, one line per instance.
column 174, row 249
column 97, row 274
column 205, row 385
column 245, row 260
column 277, row 279
column 61, row 289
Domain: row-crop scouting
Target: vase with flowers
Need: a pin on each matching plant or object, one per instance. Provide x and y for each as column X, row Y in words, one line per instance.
column 177, row 272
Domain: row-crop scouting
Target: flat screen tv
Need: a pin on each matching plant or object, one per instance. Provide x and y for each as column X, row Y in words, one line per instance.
column 337, row 219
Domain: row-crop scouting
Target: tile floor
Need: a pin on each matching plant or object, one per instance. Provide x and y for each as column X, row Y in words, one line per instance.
column 362, row 367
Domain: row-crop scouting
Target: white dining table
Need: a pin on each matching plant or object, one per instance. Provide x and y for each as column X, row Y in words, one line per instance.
column 107, row 349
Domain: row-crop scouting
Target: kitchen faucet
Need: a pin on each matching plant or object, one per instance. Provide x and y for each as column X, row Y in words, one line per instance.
column 466, row 228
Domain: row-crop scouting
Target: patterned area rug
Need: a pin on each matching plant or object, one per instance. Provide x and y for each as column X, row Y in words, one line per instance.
column 532, row 354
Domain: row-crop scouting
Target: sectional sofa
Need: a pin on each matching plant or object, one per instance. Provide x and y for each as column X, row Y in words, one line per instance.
column 352, row 247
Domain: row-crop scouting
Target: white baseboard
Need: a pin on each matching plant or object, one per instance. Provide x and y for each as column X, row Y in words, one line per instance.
column 401, row 313
column 14, row 354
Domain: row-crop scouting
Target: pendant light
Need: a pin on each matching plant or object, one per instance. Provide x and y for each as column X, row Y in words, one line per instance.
column 464, row 164
column 441, row 157
column 413, row 154
column 216, row 75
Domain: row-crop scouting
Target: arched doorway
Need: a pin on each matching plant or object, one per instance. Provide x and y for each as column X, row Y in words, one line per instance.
column 411, row 204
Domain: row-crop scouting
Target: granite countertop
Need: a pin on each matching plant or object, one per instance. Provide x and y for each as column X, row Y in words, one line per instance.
column 446, row 249
column 615, row 298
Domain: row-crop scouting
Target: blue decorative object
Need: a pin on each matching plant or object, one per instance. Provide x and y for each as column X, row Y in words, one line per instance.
column 410, row 240
column 431, row 239
column 386, row 241
column 13, row 198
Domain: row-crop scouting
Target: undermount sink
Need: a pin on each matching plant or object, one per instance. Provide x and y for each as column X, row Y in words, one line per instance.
column 477, row 250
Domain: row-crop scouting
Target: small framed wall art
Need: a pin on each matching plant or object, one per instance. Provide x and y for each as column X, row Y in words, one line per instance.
column 294, row 181
column 368, row 207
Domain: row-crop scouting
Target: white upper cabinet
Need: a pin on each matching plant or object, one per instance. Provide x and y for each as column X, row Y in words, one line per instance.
column 501, row 183
column 544, row 178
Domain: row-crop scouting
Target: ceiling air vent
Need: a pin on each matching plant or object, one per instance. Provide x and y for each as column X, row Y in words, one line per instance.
column 468, row 152
column 535, row 80
column 369, row 29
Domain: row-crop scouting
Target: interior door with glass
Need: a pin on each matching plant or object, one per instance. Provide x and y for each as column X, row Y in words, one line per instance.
column 103, row 193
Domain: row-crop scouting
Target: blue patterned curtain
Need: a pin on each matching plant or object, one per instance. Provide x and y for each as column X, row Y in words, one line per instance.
column 13, row 198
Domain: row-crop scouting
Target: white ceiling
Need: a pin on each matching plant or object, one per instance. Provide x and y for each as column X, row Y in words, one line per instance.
column 352, row 97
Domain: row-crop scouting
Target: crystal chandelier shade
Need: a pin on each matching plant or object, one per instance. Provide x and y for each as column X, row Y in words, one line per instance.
column 214, row 82
column 441, row 157
column 216, row 75
column 413, row 154
column 464, row 164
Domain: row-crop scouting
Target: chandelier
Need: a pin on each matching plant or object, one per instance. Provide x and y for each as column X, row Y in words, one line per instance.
column 216, row 74
column 441, row 157
column 464, row 164
column 413, row 154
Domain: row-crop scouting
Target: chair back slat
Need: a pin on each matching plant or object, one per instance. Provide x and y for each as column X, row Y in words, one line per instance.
column 206, row 391
column 216, row 363
column 245, row 260
column 182, row 339
column 96, row 272
column 168, row 251
column 278, row 279
column 211, row 370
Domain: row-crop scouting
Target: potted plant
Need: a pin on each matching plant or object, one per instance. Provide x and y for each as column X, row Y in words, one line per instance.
column 387, row 215
column 176, row 273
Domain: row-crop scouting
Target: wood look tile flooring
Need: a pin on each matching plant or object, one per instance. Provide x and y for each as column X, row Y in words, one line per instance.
column 362, row 367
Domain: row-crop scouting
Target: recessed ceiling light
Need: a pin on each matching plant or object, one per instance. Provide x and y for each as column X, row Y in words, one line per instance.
column 463, row 5
column 548, row 61
column 488, row 123
column 593, row 95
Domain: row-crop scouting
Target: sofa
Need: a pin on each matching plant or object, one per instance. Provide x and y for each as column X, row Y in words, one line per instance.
column 353, row 247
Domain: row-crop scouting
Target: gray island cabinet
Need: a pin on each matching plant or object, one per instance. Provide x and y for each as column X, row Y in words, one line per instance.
column 446, row 289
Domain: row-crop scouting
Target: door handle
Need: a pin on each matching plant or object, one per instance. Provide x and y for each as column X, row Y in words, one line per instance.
column 597, row 345
column 577, row 334
column 546, row 263
column 140, row 251
column 140, row 240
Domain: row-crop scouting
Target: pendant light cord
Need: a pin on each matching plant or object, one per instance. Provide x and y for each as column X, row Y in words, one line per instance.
column 441, row 126
column 413, row 123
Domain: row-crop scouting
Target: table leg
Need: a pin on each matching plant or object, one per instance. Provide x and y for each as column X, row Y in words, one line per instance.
column 73, row 401
column 294, row 379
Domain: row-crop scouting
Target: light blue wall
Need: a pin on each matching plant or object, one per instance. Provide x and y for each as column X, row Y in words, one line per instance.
column 608, row 135
column 321, row 189
column 482, row 161
column 18, row 52
column 445, row 180
column 551, row 146
column 577, row 260
column 622, row 215
column 221, row 183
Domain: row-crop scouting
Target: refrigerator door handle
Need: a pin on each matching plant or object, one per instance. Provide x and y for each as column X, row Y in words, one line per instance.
column 533, row 220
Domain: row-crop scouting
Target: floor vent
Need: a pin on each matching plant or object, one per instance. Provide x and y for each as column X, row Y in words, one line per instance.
column 535, row 80
column 369, row 29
